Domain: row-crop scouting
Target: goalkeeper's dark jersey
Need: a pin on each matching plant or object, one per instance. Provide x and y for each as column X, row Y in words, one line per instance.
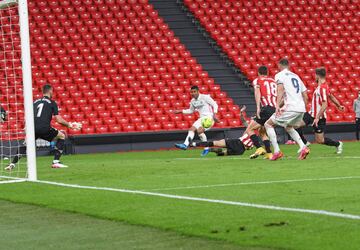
column 44, row 109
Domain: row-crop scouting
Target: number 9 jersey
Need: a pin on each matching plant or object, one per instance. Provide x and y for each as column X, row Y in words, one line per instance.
column 44, row 109
column 293, row 87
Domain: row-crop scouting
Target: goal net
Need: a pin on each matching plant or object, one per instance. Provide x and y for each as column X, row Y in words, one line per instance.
column 16, row 114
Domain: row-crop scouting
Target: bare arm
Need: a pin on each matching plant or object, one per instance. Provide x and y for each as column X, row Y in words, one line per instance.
column 280, row 95
column 62, row 121
column 305, row 97
column 242, row 116
column 336, row 102
column 257, row 100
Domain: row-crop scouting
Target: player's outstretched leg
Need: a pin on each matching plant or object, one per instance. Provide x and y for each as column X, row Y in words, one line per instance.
column 304, row 150
column 203, row 138
column 59, row 147
column 269, row 126
column 266, row 142
column 19, row 153
column 337, row 144
column 321, row 139
column 250, row 130
column 188, row 139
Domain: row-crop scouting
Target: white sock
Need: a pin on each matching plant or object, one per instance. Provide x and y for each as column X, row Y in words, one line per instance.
column 272, row 136
column 202, row 137
column 189, row 137
column 296, row 137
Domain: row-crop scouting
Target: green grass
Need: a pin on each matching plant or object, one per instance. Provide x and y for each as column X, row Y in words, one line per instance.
column 27, row 226
column 242, row 226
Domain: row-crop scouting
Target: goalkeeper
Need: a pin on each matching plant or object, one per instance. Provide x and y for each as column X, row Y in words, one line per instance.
column 44, row 109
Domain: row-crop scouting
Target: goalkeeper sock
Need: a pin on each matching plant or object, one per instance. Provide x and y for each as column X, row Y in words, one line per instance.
column 59, row 149
column 255, row 139
column 189, row 138
column 205, row 144
column 329, row 142
column 20, row 152
column 267, row 146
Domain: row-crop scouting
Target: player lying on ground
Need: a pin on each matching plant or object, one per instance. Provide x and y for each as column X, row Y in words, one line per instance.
column 317, row 116
column 206, row 107
column 232, row 146
column 44, row 109
column 265, row 97
column 227, row 146
column 259, row 132
column 292, row 91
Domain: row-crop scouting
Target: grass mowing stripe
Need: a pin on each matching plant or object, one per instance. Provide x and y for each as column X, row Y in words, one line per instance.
column 235, row 203
column 256, row 183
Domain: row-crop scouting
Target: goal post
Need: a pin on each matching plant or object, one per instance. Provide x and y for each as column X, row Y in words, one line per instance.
column 27, row 89
column 20, row 24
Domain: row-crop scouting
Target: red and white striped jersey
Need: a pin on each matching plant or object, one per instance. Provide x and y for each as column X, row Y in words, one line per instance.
column 268, row 90
column 245, row 139
column 320, row 95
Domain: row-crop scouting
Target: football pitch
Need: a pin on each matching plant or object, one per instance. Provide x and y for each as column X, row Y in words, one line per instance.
column 180, row 200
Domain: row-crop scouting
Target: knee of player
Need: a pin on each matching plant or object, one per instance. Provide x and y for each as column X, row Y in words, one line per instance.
column 200, row 131
column 288, row 129
column 268, row 124
column 193, row 129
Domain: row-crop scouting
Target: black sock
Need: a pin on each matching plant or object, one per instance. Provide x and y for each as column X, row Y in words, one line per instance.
column 255, row 139
column 329, row 142
column 300, row 131
column 267, row 146
column 20, row 152
column 222, row 153
column 59, row 149
column 205, row 144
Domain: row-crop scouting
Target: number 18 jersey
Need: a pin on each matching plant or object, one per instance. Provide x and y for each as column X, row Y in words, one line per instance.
column 293, row 87
column 268, row 91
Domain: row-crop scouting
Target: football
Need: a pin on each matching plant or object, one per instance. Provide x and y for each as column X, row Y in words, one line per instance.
column 207, row 122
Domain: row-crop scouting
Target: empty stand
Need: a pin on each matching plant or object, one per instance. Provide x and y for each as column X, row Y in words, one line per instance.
column 311, row 33
column 116, row 66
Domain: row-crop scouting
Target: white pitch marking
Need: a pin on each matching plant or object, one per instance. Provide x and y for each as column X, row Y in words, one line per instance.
column 11, row 181
column 256, row 183
column 243, row 158
column 234, row 203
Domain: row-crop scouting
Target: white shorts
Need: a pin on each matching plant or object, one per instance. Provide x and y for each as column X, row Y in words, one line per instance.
column 197, row 124
column 287, row 118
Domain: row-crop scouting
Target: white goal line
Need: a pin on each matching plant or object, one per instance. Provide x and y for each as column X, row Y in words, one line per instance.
column 224, row 202
column 256, row 183
column 12, row 181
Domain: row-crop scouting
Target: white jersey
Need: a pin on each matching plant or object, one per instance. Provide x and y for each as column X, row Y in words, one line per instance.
column 294, row 87
column 204, row 104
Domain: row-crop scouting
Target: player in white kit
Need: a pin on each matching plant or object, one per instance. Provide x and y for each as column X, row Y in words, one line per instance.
column 292, row 92
column 207, row 107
